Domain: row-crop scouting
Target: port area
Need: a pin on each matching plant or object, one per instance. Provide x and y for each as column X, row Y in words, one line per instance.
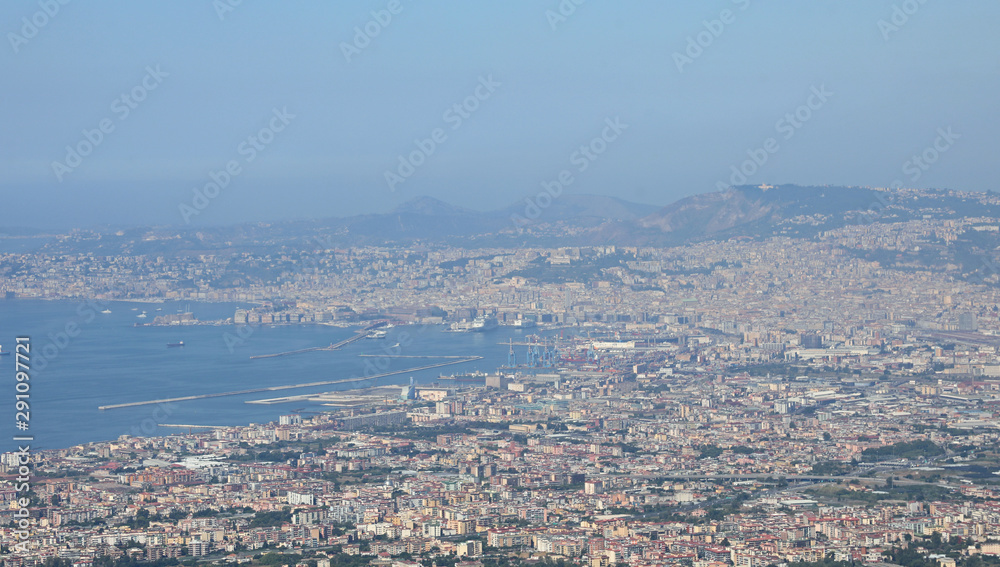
column 289, row 386
column 340, row 399
column 333, row 346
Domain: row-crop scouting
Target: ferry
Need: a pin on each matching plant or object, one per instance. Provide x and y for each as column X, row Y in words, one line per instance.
column 474, row 376
column 376, row 335
column 478, row 325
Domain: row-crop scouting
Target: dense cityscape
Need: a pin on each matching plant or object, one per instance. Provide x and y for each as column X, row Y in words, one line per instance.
column 565, row 283
column 741, row 401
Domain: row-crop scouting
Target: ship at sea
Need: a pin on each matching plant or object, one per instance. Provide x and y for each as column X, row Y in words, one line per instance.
column 478, row 325
column 4, row 352
column 175, row 345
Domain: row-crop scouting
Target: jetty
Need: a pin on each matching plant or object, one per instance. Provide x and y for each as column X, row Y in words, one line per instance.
column 332, row 346
column 287, row 386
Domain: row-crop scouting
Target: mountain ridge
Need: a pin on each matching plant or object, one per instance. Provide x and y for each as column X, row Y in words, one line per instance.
column 743, row 211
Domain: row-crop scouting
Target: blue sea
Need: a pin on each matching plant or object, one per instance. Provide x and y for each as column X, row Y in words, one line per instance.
column 111, row 361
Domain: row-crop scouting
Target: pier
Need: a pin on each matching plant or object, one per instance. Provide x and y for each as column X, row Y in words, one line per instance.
column 333, row 346
column 446, row 356
column 287, row 386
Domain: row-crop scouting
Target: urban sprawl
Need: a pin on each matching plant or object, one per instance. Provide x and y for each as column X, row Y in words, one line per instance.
column 748, row 402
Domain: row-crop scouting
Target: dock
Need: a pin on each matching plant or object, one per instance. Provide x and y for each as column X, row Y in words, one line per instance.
column 286, row 386
column 333, row 346
column 443, row 356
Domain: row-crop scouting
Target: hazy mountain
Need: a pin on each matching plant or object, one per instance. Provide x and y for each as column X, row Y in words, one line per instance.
column 431, row 206
column 721, row 212
column 566, row 220
column 803, row 211
column 580, row 207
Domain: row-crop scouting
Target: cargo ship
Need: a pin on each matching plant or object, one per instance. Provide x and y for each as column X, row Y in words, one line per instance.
column 175, row 345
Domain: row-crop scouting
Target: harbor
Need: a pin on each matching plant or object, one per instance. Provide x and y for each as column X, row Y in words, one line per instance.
column 209, row 380
column 363, row 333
column 288, row 386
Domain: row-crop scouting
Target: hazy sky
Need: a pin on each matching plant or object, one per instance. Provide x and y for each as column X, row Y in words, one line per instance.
column 693, row 86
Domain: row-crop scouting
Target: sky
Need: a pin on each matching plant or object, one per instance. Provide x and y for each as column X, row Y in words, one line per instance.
column 202, row 112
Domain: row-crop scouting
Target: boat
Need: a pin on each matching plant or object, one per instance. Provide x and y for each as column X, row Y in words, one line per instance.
column 106, row 312
column 474, row 376
column 141, row 315
column 4, row 352
column 478, row 325
column 376, row 335
column 175, row 345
